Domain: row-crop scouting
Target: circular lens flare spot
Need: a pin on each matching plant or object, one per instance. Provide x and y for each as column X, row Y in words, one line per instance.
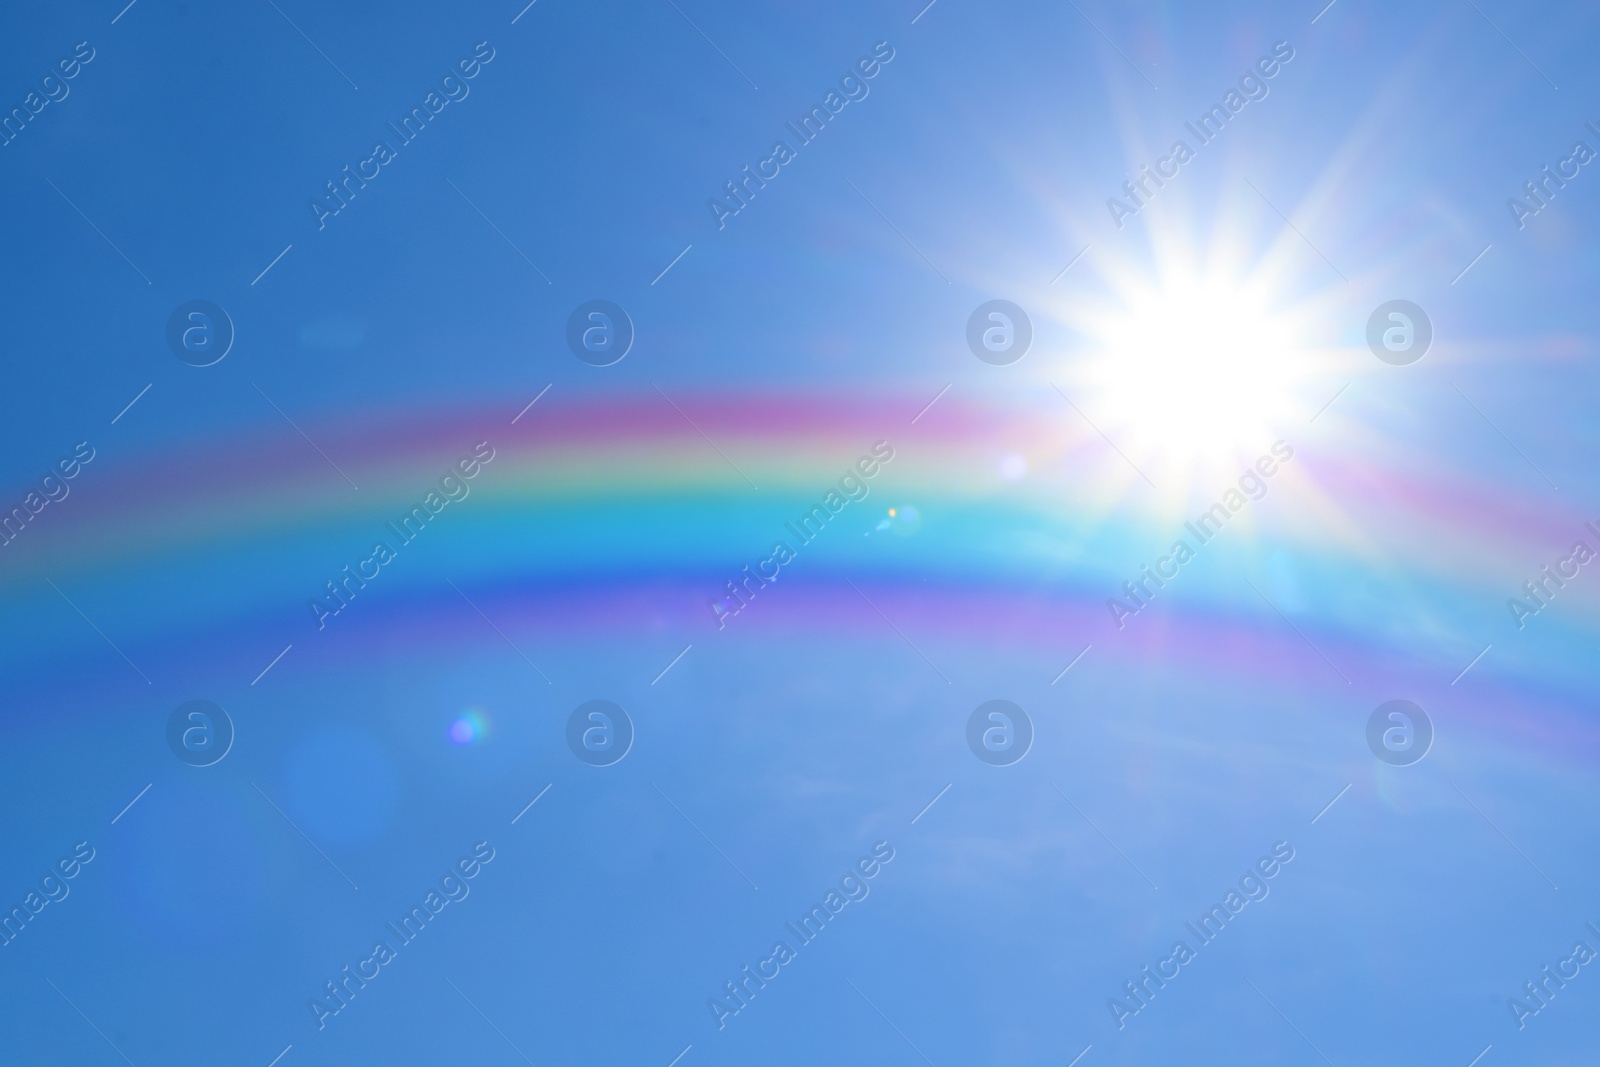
column 469, row 727
column 902, row 521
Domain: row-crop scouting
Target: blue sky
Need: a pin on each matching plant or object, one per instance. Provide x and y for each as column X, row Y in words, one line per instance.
column 180, row 163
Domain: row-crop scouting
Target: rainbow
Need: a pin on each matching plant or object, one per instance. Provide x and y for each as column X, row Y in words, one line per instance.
column 1352, row 577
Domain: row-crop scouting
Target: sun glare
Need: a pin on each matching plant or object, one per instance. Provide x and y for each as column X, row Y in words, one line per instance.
column 1193, row 375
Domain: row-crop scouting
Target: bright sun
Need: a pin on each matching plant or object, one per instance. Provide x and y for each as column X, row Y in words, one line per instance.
column 1191, row 376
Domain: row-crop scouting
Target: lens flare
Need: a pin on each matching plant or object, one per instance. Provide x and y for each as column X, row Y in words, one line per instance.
column 469, row 727
column 902, row 521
